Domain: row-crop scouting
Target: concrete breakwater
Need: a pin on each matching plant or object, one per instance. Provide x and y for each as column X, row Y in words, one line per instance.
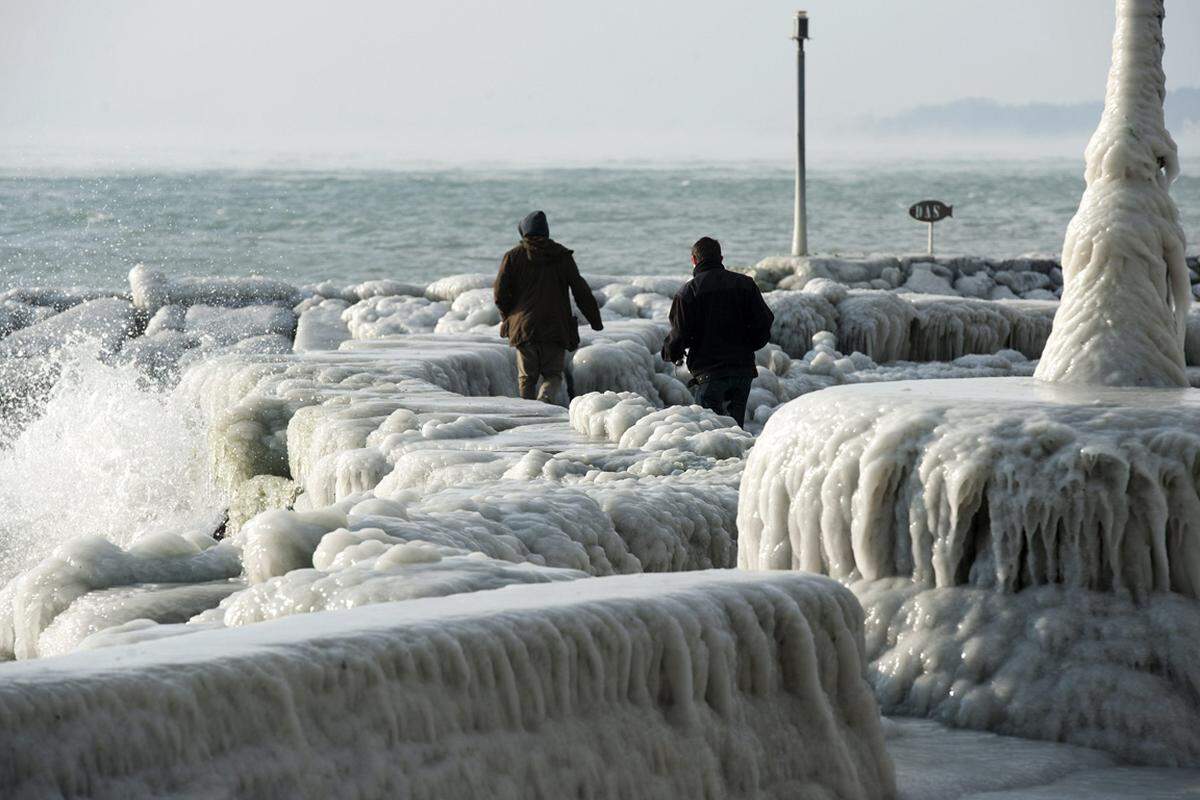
column 1032, row 277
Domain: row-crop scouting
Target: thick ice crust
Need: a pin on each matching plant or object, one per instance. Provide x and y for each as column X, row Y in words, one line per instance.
column 1126, row 289
column 152, row 289
column 717, row 684
column 107, row 321
column 991, row 482
column 1026, row 553
column 1069, row 665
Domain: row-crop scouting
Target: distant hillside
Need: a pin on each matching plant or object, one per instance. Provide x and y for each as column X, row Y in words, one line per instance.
column 981, row 116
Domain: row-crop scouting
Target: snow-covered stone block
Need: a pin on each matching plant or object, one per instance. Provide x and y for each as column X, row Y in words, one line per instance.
column 975, row 495
column 449, row 288
column 875, row 323
column 104, row 324
column 15, row 315
column 387, row 315
column 32, row 603
column 1030, row 322
column 368, row 567
column 471, row 310
column 799, row 315
column 979, row 284
column 926, row 279
column 385, row 286
column 54, row 298
column 768, row 273
column 705, row 684
column 167, row 318
column 152, row 289
column 1090, row 668
column 850, row 270
column 947, row 481
column 946, row 328
column 608, row 415
column 224, row 326
column 666, row 285
column 321, row 326
column 621, row 366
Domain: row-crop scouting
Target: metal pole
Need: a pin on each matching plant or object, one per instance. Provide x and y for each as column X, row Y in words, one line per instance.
column 800, row 231
column 930, row 238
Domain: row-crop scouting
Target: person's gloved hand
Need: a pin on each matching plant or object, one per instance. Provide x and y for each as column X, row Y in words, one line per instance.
column 597, row 326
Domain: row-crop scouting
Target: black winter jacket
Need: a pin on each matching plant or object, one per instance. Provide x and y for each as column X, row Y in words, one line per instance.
column 720, row 319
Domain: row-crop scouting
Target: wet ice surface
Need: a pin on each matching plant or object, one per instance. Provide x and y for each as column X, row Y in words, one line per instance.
column 938, row 763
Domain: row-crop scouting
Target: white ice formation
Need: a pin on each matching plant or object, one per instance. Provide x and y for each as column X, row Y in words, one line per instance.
column 67, row 596
column 371, row 456
column 107, row 322
column 1126, row 288
column 974, row 519
column 708, row 684
column 1001, row 483
column 1026, row 550
column 1091, row 668
column 151, row 289
column 417, row 429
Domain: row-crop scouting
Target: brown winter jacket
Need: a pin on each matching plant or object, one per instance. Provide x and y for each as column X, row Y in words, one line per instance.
column 531, row 293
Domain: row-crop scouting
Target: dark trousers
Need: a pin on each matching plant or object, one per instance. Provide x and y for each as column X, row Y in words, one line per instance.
column 725, row 396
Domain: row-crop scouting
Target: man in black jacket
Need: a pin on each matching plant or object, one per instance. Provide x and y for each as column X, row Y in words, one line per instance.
column 719, row 318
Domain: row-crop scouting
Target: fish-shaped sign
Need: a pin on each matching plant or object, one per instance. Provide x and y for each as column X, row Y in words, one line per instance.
column 930, row 211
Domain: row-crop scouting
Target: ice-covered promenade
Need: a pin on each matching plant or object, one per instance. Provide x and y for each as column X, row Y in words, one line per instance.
column 424, row 587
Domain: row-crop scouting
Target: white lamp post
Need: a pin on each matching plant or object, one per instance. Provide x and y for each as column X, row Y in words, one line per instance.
column 800, row 233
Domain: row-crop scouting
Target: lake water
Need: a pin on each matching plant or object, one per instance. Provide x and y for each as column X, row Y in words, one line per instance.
column 89, row 228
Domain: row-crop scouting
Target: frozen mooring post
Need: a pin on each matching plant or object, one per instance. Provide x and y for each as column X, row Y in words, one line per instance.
column 1126, row 289
column 1027, row 549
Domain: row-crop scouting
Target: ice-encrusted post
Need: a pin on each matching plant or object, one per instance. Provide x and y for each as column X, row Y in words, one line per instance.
column 800, row 230
column 1125, row 283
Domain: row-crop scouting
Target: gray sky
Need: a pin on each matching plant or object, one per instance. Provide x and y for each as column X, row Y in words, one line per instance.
column 530, row 80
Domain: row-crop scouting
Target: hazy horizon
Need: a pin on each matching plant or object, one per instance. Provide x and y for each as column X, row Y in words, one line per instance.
column 537, row 83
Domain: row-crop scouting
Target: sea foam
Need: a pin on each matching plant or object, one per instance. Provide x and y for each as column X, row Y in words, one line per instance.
column 107, row 454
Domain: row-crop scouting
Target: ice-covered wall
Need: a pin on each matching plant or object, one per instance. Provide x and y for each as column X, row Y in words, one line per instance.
column 368, row 566
column 1003, row 483
column 1027, row 553
column 1032, row 277
column 1091, row 668
column 1126, row 285
column 409, row 461
column 152, row 289
column 690, row 685
column 52, row 606
column 419, row 425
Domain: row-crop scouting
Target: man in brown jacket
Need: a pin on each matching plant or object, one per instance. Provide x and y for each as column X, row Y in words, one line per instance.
column 531, row 293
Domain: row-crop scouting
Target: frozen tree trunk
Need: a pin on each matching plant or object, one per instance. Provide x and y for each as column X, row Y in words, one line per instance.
column 1126, row 290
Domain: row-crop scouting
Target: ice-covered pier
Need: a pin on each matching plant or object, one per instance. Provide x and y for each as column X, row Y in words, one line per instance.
column 387, row 498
